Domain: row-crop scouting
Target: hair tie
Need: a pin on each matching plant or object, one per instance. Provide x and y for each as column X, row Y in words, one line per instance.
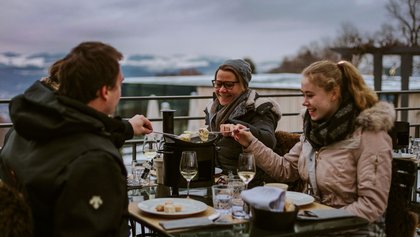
column 344, row 79
column 343, row 74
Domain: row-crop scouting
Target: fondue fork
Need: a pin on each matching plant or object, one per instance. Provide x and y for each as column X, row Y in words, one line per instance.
column 214, row 132
column 167, row 134
column 173, row 135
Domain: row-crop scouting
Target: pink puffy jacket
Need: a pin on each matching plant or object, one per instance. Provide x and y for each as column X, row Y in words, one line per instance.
column 354, row 174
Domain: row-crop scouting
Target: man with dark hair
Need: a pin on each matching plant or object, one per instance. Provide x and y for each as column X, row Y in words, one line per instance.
column 63, row 151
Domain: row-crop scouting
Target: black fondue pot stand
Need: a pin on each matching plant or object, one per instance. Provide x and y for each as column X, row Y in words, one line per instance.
column 206, row 155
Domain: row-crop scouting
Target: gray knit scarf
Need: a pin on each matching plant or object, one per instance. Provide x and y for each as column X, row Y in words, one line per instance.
column 222, row 113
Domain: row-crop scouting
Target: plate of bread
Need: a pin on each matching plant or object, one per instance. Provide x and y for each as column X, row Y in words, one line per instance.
column 172, row 206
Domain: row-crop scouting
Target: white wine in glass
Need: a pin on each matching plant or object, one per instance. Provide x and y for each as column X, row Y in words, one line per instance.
column 150, row 147
column 246, row 176
column 188, row 167
column 246, row 167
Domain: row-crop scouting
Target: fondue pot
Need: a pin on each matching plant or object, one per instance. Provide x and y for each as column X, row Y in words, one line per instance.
column 172, row 150
column 206, row 156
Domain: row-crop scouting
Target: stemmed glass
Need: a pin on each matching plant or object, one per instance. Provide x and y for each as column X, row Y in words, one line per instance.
column 188, row 167
column 246, row 167
column 415, row 147
column 150, row 146
column 149, row 149
column 137, row 170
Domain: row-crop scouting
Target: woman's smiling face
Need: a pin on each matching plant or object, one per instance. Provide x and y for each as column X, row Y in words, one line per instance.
column 321, row 104
column 223, row 94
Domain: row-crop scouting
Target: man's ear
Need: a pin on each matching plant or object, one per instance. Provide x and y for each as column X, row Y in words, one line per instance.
column 103, row 92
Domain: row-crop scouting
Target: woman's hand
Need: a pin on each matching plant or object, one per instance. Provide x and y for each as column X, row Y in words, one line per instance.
column 239, row 132
column 227, row 129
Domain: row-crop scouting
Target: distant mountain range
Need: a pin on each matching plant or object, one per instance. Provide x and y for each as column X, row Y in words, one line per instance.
column 18, row 71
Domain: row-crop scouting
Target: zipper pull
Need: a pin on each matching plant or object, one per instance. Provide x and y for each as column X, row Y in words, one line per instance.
column 376, row 163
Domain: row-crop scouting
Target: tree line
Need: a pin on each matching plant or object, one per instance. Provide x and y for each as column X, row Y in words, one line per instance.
column 402, row 30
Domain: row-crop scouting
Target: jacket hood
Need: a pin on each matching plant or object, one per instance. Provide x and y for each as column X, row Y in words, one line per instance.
column 40, row 114
column 379, row 117
column 258, row 101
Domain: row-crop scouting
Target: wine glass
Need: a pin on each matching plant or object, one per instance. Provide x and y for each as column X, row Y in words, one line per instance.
column 137, row 170
column 415, row 147
column 150, row 146
column 246, row 167
column 188, row 167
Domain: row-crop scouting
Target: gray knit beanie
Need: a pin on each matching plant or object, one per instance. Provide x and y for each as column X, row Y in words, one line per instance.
column 241, row 68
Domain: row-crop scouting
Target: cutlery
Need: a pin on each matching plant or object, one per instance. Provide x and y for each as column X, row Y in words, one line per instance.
column 193, row 222
column 213, row 217
column 214, row 132
column 167, row 134
column 176, row 136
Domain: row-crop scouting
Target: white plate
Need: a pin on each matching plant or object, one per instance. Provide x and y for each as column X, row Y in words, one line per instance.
column 217, row 170
column 404, row 155
column 189, row 206
column 299, row 199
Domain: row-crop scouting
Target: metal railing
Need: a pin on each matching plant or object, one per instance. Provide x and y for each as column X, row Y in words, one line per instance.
column 398, row 94
column 133, row 143
column 132, row 147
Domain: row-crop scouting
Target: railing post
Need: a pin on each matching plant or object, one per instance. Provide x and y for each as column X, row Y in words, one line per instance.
column 377, row 71
column 406, row 69
column 134, row 152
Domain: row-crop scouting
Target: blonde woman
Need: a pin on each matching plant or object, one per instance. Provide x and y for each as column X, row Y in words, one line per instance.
column 345, row 153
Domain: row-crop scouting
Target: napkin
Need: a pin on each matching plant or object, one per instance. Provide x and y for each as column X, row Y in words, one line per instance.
column 194, row 222
column 186, row 223
column 196, row 192
column 265, row 198
column 323, row 214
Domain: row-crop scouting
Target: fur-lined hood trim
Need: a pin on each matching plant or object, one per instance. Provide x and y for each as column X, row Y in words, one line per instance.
column 379, row 117
column 255, row 101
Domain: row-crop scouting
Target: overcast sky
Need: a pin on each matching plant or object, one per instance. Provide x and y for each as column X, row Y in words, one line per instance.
column 260, row 29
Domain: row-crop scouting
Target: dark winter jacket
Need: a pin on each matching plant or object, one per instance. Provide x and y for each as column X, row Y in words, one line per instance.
column 259, row 114
column 64, row 156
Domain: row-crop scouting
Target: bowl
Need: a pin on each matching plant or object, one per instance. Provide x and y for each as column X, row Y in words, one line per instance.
column 271, row 220
column 281, row 186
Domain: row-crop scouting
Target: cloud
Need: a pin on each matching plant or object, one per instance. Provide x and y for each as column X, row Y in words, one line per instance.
column 22, row 61
column 262, row 30
column 159, row 63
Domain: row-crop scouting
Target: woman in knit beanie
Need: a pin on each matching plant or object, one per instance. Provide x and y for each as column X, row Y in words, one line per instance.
column 235, row 103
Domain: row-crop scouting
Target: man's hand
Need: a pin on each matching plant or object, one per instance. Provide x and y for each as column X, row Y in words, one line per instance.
column 141, row 125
